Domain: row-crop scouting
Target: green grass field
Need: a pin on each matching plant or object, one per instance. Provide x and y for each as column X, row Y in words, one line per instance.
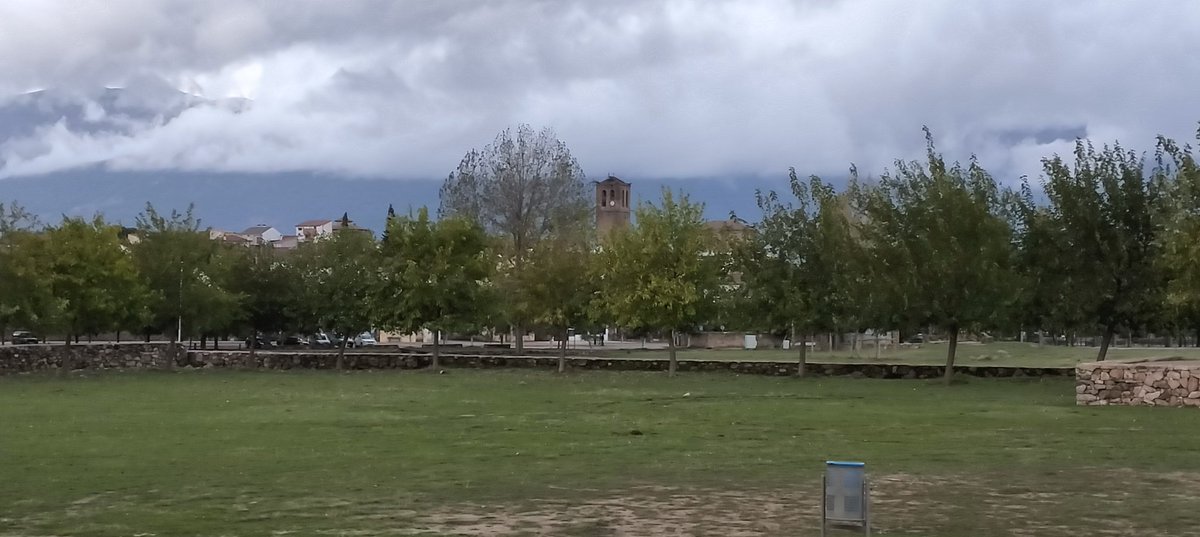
column 969, row 353
column 591, row 454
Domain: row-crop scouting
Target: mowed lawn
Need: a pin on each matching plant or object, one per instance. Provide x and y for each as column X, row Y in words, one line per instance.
column 501, row 452
column 969, row 354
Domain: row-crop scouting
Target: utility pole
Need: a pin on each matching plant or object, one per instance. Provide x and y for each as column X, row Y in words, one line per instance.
column 179, row 307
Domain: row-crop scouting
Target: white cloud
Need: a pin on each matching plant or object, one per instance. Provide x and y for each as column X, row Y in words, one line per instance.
column 668, row 89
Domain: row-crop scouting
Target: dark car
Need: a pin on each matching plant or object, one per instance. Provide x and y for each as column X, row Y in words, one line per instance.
column 293, row 340
column 259, row 342
column 22, row 337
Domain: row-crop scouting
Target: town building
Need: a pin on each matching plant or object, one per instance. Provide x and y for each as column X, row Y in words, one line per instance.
column 313, row 229
column 262, row 234
column 612, row 206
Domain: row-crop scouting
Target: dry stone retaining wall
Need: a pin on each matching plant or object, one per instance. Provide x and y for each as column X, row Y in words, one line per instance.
column 1164, row 383
column 16, row 359
column 27, row 358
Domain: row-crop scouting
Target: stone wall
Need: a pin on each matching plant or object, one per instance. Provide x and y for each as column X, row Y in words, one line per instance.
column 421, row 360
column 1165, row 383
column 28, row 358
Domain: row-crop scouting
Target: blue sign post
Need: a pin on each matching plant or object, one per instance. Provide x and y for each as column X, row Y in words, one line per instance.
column 844, row 496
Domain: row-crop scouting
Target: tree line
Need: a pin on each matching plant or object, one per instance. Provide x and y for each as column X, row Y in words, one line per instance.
column 1105, row 242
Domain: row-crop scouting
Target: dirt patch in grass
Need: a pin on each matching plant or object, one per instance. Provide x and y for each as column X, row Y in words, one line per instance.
column 902, row 505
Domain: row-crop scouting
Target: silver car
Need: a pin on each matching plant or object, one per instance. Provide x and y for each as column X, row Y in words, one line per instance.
column 364, row 339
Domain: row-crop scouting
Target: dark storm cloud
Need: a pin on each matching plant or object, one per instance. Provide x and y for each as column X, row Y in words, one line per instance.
column 670, row 89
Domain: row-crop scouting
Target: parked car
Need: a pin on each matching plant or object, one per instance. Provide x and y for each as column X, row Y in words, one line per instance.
column 24, row 337
column 259, row 342
column 364, row 339
column 320, row 340
column 294, row 340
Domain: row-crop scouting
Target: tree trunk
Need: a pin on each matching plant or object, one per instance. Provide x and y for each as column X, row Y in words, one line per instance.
column 437, row 349
column 802, row 364
column 518, row 337
column 562, row 353
column 1104, row 343
column 671, row 363
column 147, row 336
column 172, row 350
column 118, row 336
column 251, row 360
column 949, row 375
column 877, row 345
column 1041, row 338
column 341, row 357
column 67, row 363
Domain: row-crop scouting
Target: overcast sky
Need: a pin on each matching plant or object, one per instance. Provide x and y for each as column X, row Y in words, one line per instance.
column 698, row 88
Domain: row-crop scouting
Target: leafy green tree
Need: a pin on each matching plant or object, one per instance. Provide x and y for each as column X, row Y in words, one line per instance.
column 1179, row 171
column 561, row 287
column 24, row 293
column 92, row 278
column 15, row 218
column 433, row 275
column 1102, row 211
column 942, row 237
column 266, row 287
column 185, row 275
column 1050, row 294
column 661, row 274
column 338, row 277
column 796, row 269
column 525, row 187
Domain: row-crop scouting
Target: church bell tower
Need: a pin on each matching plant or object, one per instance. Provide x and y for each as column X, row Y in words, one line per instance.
column 612, row 206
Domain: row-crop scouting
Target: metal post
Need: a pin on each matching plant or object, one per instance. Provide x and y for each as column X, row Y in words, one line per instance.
column 823, row 485
column 866, row 489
